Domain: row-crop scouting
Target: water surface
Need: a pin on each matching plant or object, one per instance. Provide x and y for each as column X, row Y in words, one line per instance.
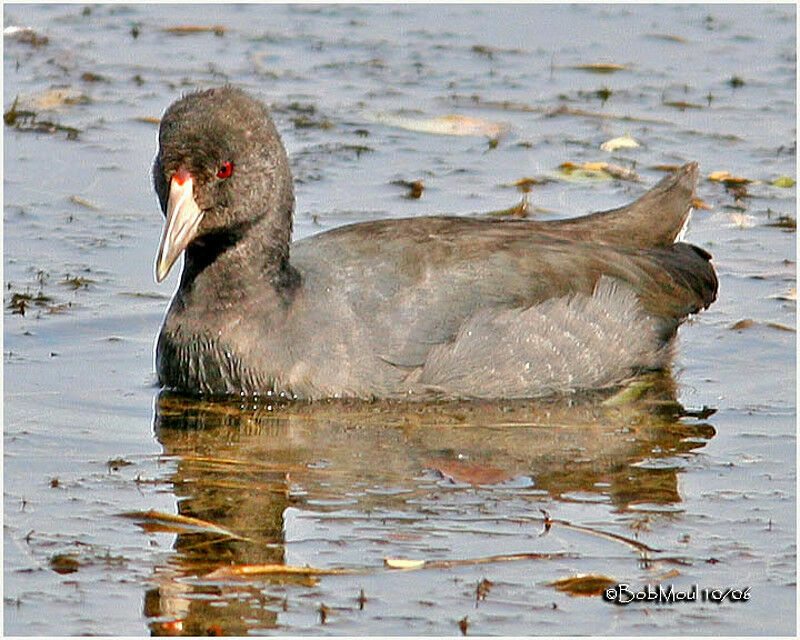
column 87, row 437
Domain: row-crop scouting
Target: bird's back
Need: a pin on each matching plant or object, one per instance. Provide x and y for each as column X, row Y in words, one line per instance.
column 410, row 287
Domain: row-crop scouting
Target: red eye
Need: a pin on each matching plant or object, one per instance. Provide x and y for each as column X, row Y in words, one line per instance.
column 225, row 170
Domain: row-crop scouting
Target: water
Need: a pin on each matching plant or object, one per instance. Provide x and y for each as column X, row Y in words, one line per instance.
column 86, row 437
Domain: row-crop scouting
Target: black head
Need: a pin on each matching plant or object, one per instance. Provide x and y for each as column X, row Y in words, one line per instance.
column 220, row 169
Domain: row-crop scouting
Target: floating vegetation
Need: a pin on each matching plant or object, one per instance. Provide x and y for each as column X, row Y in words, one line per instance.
column 490, row 52
column 604, row 94
column 77, row 282
column 784, row 182
column 521, row 210
column 594, row 171
column 88, row 76
column 64, row 563
column 623, row 142
column 727, row 178
column 246, row 571
column 749, row 323
column 450, row 125
column 148, row 120
column 145, row 295
column 26, row 120
column 667, row 37
column 742, row 220
column 482, row 590
column 600, row 67
column 171, row 523
column 25, row 35
column 789, row 295
column 20, row 302
column 783, row 222
column 682, row 105
column 403, row 563
column 415, row 188
column 524, row 184
column 83, row 203
column 272, row 569
column 584, row 584
column 185, row 30
column 115, row 464
column 304, row 122
column 51, row 99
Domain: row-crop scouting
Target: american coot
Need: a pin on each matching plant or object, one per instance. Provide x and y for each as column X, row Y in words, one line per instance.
column 412, row 308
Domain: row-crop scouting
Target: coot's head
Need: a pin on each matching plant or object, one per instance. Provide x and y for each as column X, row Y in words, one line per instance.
column 220, row 169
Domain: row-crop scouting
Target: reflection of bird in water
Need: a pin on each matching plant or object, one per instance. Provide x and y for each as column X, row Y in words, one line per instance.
column 243, row 467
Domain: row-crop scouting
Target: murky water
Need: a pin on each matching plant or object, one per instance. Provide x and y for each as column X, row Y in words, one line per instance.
column 581, row 486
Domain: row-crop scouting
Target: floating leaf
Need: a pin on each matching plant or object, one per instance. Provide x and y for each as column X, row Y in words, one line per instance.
column 169, row 522
column 699, row 204
column 595, row 170
column 490, row 52
column 742, row 220
column 743, row 324
column 254, row 570
column 26, row 35
column 680, row 104
column 668, row 37
column 403, row 563
column 601, row 67
column 483, row 588
column 450, row 125
column 51, row 99
column 183, row 30
column 667, row 575
column 415, row 188
column 785, row 182
column 623, row 142
column 26, row 120
column 77, row 282
column 524, row 184
column 783, row 222
column 724, row 176
column 780, row 327
column 749, row 323
column 790, row 295
column 64, row 563
column 83, row 203
column 584, row 584
column 521, row 210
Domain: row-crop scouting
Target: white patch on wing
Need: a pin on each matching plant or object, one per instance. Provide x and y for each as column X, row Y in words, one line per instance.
column 682, row 232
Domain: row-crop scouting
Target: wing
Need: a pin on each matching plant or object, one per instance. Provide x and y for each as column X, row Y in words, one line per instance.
column 425, row 277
